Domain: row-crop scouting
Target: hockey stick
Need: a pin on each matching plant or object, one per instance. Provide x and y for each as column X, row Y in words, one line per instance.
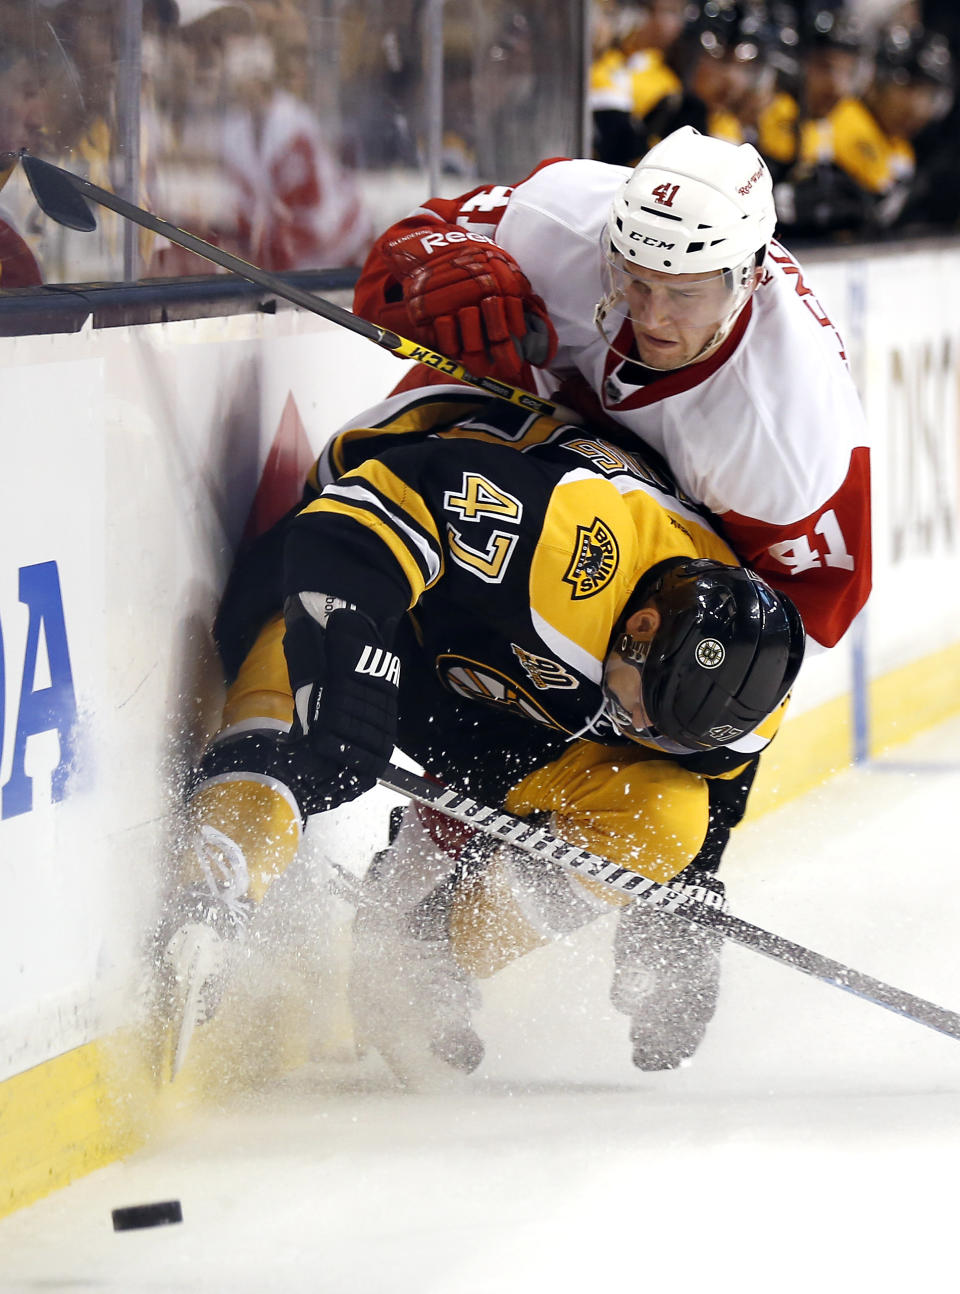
column 673, row 897
column 62, row 196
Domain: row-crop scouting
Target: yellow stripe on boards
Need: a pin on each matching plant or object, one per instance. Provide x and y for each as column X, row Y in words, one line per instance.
column 61, row 1120
column 807, row 751
column 915, row 697
column 101, row 1102
column 812, row 747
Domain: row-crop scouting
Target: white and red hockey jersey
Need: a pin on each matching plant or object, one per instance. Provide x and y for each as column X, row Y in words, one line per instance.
column 768, row 431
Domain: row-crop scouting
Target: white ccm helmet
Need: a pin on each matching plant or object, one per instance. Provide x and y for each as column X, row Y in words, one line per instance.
column 692, row 205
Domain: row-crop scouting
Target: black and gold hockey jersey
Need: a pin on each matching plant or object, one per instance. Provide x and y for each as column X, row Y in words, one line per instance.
column 513, row 567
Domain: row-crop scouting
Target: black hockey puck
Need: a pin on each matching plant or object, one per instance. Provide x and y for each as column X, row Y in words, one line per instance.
column 136, row 1216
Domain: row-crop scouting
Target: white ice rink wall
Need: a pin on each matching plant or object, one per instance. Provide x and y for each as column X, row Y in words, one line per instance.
column 132, row 459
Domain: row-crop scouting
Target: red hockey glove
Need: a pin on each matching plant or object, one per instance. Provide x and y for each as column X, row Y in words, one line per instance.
column 464, row 296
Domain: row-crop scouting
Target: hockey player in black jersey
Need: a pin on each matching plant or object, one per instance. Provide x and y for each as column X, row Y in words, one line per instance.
column 553, row 630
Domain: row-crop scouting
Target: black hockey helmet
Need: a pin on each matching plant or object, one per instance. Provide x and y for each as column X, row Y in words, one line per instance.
column 831, row 27
column 913, row 55
column 727, row 652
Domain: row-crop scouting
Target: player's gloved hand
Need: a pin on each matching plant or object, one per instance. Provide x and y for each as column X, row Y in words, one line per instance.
column 345, row 685
column 464, row 296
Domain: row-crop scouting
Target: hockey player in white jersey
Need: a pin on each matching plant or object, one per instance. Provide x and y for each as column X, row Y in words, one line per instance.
column 658, row 305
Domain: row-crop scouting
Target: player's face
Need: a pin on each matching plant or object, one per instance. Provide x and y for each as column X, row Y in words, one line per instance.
column 905, row 109
column 623, row 697
column 674, row 316
column 829, row 76
column 623, row 700
column 666, row 19
column 623, row 681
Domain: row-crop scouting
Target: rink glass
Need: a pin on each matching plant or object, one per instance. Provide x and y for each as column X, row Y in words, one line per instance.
column 408, row 98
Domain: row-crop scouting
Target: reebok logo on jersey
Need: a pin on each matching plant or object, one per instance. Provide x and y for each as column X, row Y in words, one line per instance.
column 594, row 561
column 379, row 663
column 433, row 242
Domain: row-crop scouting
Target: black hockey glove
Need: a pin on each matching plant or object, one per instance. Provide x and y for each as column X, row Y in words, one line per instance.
column 345, row 686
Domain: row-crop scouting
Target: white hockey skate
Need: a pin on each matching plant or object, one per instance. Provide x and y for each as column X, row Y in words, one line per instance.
column 198, row 938
column 666, row 979
column 195, row 964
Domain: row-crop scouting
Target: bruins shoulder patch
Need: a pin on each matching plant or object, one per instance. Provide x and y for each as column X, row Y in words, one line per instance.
column 594, row 561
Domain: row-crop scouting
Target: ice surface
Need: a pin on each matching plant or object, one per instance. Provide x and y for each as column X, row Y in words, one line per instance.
column 811, row 1145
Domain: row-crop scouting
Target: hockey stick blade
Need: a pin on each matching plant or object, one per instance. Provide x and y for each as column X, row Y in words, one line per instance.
column 63, row 197
column 673, row 897
column 55, row 197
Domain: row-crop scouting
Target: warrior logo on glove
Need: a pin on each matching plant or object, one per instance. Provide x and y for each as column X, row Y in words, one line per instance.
column 379, row 663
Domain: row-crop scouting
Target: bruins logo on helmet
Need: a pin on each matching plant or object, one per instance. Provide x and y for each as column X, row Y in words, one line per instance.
column 542, row 671
column 710, row 653
column 595, row 560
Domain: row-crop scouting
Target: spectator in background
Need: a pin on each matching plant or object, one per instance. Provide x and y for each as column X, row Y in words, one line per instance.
column 23, row 116
column 286, row 24
column 857, row 168
column 831, row 69
column 84, row 57
column 188, row 175
column 297, row 206
column 380, row 74
column 508, row 79
column 461, row 93
column 765, row 63
column 630, row 76
column 85, row 108
column 878, row 15
column 272, row 189
column 935, row 197
column 713, row 60
column 606, row 56
column 776, row 116
column 912, row 90
column 713, row 72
